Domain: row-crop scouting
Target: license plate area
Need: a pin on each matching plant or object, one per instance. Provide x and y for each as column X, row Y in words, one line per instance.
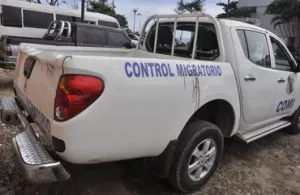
column 34, row 113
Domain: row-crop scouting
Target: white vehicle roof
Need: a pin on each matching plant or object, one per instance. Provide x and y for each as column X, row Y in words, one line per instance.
column 58, row 10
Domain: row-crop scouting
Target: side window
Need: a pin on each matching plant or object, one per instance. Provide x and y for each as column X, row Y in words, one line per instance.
column 243, row 41
column 95, row 37
column 11, row 16
column 117, row 39
column 282, row 59
column 255, row 47
column 34, row 19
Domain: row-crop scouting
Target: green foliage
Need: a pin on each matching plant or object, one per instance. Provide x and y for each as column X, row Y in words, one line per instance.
column 105, row 7
column 191, row 6
column 286, row 18
column 232, row 11
column 285, row 11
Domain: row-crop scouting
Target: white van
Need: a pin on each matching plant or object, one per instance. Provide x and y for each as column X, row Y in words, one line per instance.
column 18, row 18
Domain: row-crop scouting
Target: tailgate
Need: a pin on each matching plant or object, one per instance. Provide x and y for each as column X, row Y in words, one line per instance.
column 36, row 78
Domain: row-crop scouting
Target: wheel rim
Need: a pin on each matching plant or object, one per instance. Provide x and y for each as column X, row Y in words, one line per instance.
column 202, row 159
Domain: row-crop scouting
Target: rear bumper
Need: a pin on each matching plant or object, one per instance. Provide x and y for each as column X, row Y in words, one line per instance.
column 38, row 165
column 7, row 65
column 8, row 62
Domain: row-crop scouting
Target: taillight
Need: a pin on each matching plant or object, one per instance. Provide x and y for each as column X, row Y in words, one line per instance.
column 7, row 50
column 74, row 94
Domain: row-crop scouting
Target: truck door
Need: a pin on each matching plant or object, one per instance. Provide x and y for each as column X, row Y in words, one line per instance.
column 287, row 87
column 256, row 76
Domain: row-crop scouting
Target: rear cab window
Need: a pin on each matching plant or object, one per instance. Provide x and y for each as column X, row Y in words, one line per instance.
column 207, row 47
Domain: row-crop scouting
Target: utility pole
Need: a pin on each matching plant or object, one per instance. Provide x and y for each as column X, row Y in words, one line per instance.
column 82, row 10
column 134, row 12
column 139, row 14
column 228, row 8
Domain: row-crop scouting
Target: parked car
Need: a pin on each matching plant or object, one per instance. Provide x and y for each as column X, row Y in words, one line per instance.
column 68, row 34
column 172, row 106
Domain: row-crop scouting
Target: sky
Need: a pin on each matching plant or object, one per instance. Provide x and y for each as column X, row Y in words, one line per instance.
column 150, row 7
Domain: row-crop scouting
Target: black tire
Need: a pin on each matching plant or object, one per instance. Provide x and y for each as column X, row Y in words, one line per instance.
column 294, row 128
column 193, row 134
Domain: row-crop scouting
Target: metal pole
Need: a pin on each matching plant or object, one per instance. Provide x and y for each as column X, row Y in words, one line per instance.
column 228, row 8
column 82, row 10
column 134, row 12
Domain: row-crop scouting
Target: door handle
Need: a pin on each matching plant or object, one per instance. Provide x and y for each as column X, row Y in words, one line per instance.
column 249, row 78
column 281, row 80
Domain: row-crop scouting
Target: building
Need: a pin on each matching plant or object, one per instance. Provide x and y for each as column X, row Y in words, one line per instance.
column 265, row 19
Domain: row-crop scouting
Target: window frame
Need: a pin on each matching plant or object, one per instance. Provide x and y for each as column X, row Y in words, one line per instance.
column 268, row 44
column 282, row 46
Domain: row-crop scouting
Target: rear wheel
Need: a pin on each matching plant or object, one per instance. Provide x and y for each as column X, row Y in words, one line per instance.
column 198, row 153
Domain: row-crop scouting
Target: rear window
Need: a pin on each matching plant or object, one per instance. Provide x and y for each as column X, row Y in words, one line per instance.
column 11, row 16
column 34, row 19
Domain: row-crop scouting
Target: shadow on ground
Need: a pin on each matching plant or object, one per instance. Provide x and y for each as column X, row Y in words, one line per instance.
column 267, row 166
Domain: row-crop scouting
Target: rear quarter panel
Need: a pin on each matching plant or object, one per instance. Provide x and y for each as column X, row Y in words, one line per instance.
column 137, row 115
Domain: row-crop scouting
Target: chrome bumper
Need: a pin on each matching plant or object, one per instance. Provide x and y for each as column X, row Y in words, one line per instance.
column 7, row 65
column 36, row 161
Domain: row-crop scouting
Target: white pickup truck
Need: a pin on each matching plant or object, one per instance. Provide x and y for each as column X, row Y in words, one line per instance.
column 171, row 104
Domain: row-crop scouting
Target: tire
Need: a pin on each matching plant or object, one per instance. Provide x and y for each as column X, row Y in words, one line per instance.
column 195, row 135
column 295, row 126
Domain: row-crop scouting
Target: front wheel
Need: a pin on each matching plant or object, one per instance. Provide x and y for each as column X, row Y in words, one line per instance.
column 295, row 126
column 198, row 153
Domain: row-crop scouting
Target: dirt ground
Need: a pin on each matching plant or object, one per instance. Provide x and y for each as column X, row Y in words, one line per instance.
column 268, row 166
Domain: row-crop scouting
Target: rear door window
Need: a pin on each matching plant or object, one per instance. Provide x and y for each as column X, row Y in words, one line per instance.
column 117, row 39
column 11, row 16
column 95, row 37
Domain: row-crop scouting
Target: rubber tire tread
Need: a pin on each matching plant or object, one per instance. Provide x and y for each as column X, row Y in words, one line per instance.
column 187, row 138
column 294, row 129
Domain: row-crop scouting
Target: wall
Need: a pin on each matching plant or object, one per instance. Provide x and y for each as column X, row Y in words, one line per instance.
column 265, row 19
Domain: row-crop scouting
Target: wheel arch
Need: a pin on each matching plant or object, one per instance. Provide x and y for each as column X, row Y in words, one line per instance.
column 219, row 112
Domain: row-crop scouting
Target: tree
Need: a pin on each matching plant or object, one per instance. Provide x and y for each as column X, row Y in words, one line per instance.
column 105, row 7
column 286, row 18
column 193, row 6
column 50, row 2
column 231, row 10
